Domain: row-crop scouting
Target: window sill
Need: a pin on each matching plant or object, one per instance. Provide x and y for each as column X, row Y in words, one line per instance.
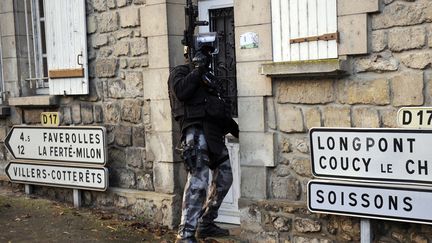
column 34, row 101
column 307, row 69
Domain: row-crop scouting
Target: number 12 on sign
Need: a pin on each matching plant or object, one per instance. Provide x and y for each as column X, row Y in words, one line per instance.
column 21, row 149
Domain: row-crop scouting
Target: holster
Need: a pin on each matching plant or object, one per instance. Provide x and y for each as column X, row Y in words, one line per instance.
column 193, row 156
column 189, row 157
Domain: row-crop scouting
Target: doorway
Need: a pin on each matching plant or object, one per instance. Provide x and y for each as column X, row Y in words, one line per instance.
column 220, row 15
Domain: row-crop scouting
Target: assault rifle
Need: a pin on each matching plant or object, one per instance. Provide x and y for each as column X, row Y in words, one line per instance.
column 191, row 14
column 193, row 42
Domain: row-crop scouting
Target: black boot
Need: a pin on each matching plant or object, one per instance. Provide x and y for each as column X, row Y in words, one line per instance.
column 190, row 239
column 211, row 230
column 185, row 235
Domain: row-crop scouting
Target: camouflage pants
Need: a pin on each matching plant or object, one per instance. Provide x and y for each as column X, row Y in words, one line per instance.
column 197, row 205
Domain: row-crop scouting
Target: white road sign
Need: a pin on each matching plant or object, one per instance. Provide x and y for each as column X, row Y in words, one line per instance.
column 58, row 175
column 63, row 144
column 415, row 117
column 396, row 155
column 411, row 204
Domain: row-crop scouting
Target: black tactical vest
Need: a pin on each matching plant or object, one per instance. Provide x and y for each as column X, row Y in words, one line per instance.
column 199, row 105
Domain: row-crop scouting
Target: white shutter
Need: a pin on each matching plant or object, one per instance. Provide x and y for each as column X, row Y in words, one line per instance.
column 66, row 42
column 304, row 29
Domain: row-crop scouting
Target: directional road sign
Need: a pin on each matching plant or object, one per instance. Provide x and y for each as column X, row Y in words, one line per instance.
column 392, row 155
column 69, row 176
column 61, row 144
column 392, row 202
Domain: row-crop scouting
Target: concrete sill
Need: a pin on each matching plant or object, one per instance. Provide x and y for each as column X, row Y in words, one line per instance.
column 309, row 69
column 34, row 101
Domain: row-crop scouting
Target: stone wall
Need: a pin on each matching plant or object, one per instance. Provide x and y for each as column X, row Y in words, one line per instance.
column 396, row 72
column 118, row 55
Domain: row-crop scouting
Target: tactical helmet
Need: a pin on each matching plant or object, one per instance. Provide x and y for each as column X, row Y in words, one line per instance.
column 207, row 42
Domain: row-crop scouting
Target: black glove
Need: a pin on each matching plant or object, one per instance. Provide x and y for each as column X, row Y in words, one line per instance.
column 234, row 128
column 209, row 79
column 201, row 61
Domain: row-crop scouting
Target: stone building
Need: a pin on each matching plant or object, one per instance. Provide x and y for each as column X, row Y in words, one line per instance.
column 346, row 63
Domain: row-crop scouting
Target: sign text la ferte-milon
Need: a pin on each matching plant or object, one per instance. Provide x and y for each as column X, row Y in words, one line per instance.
column 392, row 156
column 71, row 157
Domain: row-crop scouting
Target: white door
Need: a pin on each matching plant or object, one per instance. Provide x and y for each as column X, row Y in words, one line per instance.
column 229, row 211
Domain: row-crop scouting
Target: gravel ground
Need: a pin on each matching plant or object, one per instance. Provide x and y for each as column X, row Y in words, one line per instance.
column 26, row 218
column 31, row 219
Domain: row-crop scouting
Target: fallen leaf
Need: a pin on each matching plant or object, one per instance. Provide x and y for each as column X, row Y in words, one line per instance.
column 111, row 228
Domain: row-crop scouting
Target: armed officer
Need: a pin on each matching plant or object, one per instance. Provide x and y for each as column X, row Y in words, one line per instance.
column 204, row 117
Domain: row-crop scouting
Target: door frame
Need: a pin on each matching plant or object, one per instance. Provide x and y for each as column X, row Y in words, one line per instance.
column 210, row 4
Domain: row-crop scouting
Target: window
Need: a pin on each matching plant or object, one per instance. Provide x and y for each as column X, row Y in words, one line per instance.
column 40, row 54
column 304, row 30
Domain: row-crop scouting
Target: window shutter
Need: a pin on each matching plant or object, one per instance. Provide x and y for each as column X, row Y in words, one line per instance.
column 66, row 42
column 304, row 29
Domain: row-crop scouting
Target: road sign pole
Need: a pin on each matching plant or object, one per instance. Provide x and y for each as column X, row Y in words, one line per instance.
column 365, row 231
column 28, row 189
column 77, row 198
